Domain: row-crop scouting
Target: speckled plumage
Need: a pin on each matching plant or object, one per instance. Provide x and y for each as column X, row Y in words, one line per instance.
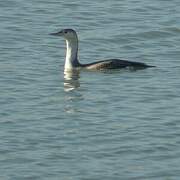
column 115, row 64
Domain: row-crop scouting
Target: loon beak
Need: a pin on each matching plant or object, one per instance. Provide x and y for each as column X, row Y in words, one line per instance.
column 57, row 33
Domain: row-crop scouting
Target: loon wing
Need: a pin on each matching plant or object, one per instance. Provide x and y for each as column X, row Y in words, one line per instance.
column 115, row 64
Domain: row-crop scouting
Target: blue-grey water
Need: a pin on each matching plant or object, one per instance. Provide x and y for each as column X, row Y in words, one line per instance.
column 97, row 125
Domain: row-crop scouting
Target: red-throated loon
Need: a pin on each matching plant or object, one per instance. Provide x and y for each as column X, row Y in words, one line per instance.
column 72, row 63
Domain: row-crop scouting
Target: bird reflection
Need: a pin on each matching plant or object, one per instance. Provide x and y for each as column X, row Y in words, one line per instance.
column 71, row 80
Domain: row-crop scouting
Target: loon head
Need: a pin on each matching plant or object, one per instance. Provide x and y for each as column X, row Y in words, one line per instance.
column 71, row 38
column 68, row 34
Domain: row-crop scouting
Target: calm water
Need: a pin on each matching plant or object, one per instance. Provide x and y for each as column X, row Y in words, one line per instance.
column 97, row 125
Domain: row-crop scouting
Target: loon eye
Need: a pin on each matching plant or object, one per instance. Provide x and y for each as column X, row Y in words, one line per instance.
column 65, row 32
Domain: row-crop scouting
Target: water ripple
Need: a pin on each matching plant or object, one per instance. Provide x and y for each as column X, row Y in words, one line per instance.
column 89, row 125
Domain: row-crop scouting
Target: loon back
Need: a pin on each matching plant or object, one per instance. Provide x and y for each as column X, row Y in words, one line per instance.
column 115, row 64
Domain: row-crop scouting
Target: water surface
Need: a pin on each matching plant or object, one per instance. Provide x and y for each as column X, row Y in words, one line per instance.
column 96, row 125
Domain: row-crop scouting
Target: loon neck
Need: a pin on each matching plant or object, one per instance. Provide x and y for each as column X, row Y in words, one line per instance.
column 71, row 54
